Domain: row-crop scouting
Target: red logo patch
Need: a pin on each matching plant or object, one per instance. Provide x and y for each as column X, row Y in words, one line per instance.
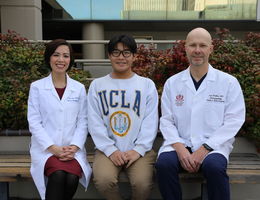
column 179, row 100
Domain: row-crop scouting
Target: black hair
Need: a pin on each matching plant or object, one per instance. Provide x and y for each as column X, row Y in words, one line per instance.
column 52, row 46
column 127, row 40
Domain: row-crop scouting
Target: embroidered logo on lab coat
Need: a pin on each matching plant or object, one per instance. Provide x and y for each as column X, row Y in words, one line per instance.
column 120, row 123
column 179, row 100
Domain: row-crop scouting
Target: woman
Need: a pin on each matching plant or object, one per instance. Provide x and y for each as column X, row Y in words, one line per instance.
column 57, row 116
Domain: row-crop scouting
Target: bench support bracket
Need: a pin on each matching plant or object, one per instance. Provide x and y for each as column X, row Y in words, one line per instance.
column 4, row 190
column 204, row 192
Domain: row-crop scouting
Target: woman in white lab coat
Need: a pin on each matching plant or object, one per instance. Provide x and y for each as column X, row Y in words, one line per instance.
column 57, row 116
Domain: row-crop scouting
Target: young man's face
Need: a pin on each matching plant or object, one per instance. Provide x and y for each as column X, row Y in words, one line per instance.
column 122, row 59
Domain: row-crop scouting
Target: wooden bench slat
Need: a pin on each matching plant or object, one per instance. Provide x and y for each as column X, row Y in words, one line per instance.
column 244, row 155
column 13, row 164
column 256, row 163
column 8, row 160
column 242, row 168
column 11, row 156
column 243, row 171
column 14, row 179
column 15, row 170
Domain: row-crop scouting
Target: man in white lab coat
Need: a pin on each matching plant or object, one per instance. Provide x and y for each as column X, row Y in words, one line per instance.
column 202, row 110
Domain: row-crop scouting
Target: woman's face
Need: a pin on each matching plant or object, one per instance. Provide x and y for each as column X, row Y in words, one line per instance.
column 60, row 59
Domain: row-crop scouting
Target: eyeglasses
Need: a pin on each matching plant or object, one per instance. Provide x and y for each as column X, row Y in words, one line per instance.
column 126, row 53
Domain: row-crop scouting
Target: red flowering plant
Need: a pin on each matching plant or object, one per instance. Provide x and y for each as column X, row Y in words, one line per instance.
column 237, row 57
column 241, row 59
column 160, row 65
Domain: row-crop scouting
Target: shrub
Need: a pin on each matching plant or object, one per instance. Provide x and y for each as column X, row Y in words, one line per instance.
column 160, row 65
column 239, row 58
column 21, row 63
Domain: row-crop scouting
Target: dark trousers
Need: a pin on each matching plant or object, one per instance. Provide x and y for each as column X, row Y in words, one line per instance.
column 213, row 168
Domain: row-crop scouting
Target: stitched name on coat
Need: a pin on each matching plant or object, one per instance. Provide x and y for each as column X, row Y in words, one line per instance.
column 75, row 99
column 216, row 98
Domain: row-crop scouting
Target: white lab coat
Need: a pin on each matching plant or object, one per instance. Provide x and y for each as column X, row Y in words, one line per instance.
column 213, row 114
column 60, row 122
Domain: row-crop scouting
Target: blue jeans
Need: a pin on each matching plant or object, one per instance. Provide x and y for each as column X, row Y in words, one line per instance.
column 213, row 168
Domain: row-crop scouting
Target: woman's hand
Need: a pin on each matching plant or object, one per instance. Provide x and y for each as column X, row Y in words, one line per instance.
column 64, row 153
column 56, row 150
column 69, row 152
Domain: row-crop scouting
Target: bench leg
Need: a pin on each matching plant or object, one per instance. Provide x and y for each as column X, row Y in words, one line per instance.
column 4, row 190
column 204, row 192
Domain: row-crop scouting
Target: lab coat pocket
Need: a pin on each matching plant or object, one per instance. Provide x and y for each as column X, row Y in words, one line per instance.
column 71, row 117
column 72, row 112
column 214, row 115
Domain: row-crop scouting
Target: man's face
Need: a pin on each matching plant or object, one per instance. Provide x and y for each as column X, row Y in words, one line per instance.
column 198, row 48
column 121, row 59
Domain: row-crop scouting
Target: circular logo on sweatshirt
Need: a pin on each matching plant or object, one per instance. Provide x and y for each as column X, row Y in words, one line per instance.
column 120, row 123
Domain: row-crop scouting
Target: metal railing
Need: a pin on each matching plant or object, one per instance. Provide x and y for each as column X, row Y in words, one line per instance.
column 89, row 62
column 106, row 41
column 103, row 62
column 20, row 132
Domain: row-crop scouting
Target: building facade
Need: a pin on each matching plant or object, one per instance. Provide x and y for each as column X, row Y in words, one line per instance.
column 144, row 19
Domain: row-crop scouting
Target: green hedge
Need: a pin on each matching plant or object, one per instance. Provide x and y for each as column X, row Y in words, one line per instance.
column 237, row 57
column 21, row 63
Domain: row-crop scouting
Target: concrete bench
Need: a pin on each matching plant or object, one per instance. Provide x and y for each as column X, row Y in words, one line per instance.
column 242, row 168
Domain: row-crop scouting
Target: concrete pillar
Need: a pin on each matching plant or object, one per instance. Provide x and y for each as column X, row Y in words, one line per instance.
column 258, row 11
column 22, row 16
column 93, row 31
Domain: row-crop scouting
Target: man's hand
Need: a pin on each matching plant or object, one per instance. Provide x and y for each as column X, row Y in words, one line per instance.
column 118, row 158
column 131, row 156
column 185, row 158
column 198, row 156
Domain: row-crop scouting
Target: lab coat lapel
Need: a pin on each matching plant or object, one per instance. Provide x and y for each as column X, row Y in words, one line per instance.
column 49, row 86
column 69, row 89
column 188, row 81
column 203, row 85
column 208, row 79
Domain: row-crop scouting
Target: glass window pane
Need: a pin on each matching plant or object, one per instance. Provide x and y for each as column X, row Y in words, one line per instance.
column 160, row 9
